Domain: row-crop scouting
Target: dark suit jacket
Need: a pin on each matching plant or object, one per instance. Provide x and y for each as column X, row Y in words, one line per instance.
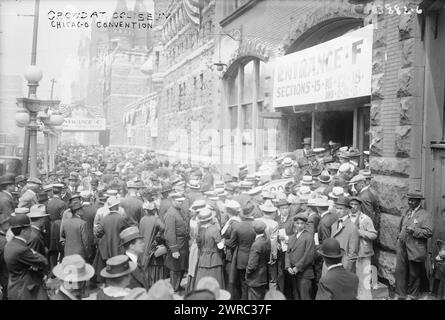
column 243, row 236
column 324, row 226
column 349, row 239
column 338, row 284
column 133, row 208
column 300, row 254
column 139, row 278
column 176, row 236
column 259, row 256
column 109, row 229
column 25, row 284
column 165, row 204
column 4, row 274
column 74, row 233
column 55, row 208
column 312, row 223
column 88, row 215
column 370, row 205
column 416, row 241
column 37, row 242
column 7, row 205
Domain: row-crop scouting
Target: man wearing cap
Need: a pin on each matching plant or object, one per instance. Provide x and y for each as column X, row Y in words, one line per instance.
column 269, row 211
column 132, row 204
column 7, row 204
column 367, row 234
column 74, row 234
column 241, row 240
column 37, row 215
column 299, row 259
column 55, row 208
column 27, row 268
column 176, row 236
column 29, row 197
column 416, row 227
column 346, row 233
column 74, row 274
column 257, row 265
column 338, row 283
column 4, row 274
column 133, row 244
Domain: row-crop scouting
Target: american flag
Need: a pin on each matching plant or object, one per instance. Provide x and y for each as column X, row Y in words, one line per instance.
column 193, row 10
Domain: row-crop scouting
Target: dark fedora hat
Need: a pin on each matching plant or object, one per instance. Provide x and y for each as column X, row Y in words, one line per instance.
column 75, row 206
column 118, row 266
column 20, row 220
column 282, row 202
column 415, row 195
column 7, row 179
column 343, row 201
column 355, row 199
column 247, row 210
column 129, row 234
column 301, row 216
column 331, row 249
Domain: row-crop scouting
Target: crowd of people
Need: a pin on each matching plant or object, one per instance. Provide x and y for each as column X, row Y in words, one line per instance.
column 109, row 224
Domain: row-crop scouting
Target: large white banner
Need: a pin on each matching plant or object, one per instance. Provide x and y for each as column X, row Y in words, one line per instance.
column 85, row 124
column 334, row 70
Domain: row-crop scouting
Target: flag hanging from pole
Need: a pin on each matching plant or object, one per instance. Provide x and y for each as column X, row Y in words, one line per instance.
column 193, row 10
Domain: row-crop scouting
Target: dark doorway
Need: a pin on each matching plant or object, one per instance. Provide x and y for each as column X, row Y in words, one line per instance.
column 334, row 125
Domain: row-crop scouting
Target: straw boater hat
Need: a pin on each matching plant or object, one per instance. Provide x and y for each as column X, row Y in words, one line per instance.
column 307, row 181
column 198, row 205
column 287, row 174
column 304, row 192
column 245, row 185
column 177, row 197
column 118, row 266
column 232, row 205
column 366, row 173
column 288, row 162
column 219, row 184
column 318, row 150
column 194, row 184
column 268, row 207
column 220, row 192
column 337, row 192
column 34, row 181
column 73, row 269
column 212, row 284
column 415, row 195
column 129, row 234
column 301, row 216
column 23, row 210
column 357, row 179
column 205, row 215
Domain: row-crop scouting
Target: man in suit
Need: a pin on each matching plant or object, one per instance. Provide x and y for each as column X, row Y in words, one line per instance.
column 299, row 259
column 367, row 235
column 285, row 230
column 74, row 235
column 74, row 274
column 207, row 179
column 370, row 203
column 88, row 214
column 37, row 215
column 166, row 202
column 416, row 227
column 133, row 244
column 4, row 274
column 55, row 208
column 241, row 241
column 337, row 283
column 346, row 233
column 268, row 217
column 132, row 204
column 176, row 236
column 7, row 204
column 29, row 197
column 256, row 270
column 27, row 268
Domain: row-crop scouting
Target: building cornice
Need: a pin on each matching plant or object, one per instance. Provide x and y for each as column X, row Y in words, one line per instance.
column 238, row 12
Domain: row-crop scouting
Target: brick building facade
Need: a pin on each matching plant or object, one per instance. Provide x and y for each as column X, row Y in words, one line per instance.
column 402, row 119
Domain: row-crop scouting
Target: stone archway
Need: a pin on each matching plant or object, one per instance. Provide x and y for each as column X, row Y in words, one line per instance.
column 332, row 11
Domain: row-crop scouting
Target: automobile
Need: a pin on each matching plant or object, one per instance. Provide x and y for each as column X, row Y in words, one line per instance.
column 10, row 165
